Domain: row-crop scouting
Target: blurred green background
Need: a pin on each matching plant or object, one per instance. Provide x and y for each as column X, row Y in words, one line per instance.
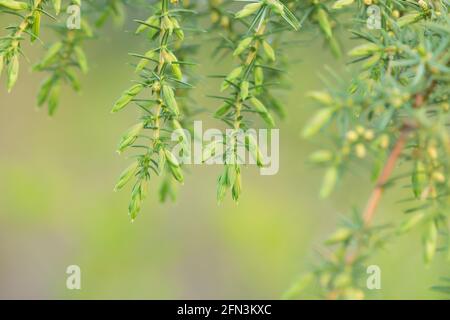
column 58, row 208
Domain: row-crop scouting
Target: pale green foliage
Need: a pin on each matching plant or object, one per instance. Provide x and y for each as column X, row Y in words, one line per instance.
column 29, row 22
column 161, row 75
column 253, row 46
column 63, row 57
column 396, row 110
column 61, row 60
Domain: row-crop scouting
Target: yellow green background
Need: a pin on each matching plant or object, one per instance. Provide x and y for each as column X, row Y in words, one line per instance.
column 58, row 208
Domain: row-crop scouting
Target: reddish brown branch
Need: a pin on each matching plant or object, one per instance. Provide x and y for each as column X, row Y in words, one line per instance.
column 384, row 177
column 389, row 167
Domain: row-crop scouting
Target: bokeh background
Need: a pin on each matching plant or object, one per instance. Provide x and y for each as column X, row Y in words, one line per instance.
column 58, row 208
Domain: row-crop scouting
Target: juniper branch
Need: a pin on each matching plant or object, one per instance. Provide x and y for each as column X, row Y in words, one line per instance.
column 160, row 113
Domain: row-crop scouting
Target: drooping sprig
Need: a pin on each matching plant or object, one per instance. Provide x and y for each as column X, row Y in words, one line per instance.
column 246, row 83
column 161, row 76
column 29, row 14
column 395, row 111
column 184, row 48
column 62, row 61
column 66, row 56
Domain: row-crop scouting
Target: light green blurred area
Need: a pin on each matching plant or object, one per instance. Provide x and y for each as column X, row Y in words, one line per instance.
column 58, row 208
